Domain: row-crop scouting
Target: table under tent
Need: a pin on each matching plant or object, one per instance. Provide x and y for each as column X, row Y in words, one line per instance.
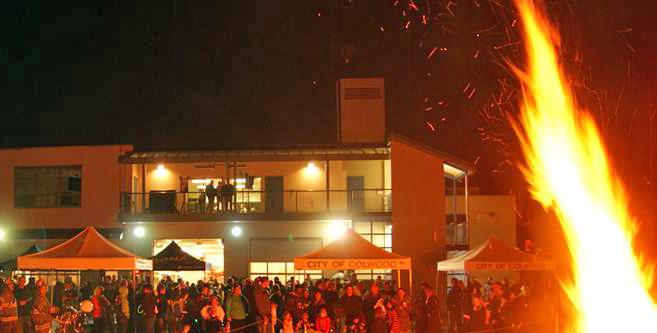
column 173, row 259
column 353, row 252
column 87, row 251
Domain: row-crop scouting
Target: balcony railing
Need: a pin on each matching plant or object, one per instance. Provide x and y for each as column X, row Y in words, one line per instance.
column 457, row 231
column 253, row 202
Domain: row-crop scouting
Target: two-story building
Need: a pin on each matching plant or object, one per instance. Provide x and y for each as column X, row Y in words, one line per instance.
column 265, row 207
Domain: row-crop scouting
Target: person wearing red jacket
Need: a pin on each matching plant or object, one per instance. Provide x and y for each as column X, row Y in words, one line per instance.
column 323, row 321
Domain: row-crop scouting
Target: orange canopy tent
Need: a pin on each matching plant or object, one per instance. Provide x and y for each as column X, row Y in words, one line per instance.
column 351, row 252
column 495, row 255
column 88, row 250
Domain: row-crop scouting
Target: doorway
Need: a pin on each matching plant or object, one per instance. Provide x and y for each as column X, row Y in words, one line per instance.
column 355, row 193
column 274, row 194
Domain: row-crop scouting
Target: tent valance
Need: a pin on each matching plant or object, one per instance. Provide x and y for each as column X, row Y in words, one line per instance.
column 173, row 258
column 495, row 255
column 351, row 251
column 88, row 250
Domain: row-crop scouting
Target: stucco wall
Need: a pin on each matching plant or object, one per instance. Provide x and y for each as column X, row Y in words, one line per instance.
column 103, row 178
column 418, row 215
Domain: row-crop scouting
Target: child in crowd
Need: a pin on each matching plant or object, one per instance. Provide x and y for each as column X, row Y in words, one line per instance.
column 323, row 322
column 304, row 325
column 288, row 325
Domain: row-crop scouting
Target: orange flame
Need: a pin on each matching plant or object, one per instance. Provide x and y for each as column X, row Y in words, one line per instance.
column 568, row 171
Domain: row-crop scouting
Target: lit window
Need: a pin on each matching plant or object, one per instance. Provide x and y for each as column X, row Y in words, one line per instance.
column 283, row 270
column 378, row 233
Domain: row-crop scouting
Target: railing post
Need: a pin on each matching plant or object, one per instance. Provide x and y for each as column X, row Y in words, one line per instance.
column 296, row 201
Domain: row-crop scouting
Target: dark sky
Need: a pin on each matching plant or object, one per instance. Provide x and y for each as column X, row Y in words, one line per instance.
column 210, row 74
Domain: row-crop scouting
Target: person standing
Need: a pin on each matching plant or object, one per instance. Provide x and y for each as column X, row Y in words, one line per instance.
column 455, row 306
column 476, row 317
column 8, row 309
column 402, row 304
column 237, row 308
column 213, row 316
column 428, row 311
column 161, row 304
column 263, row 306
column 148, row 306
column 24, row 297
column 211, row 193
column 101, row 306
column 371, row 299
column 41, row 311
column 352, row 306
column 123, row 305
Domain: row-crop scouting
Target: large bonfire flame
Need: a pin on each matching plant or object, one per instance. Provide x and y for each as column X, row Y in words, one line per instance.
column 568, row 171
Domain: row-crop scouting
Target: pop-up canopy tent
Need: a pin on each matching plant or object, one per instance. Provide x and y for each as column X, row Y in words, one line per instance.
column 11, row 264
column 495, row 255
column 352, row 252
column 173, row 258
column 88, row 250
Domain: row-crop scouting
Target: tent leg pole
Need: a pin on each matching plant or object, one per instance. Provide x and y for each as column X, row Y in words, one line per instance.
column 398, row 278
column 410, row 281
column 134, row 301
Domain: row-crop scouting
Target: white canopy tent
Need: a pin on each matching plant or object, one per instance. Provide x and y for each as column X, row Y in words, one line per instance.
column 495, row 255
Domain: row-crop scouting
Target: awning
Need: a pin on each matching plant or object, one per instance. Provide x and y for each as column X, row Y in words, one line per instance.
column 89, row 250
column 495, row 255
column 351, row 251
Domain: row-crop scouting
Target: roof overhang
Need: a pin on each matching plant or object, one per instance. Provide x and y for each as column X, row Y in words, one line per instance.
column 258, row 155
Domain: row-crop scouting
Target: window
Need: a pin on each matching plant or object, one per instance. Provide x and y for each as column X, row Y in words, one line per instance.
column 47, row 187
column 283, row 270
column 378, row 233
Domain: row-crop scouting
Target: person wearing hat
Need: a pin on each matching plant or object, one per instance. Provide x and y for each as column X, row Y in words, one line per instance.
column 8, row 308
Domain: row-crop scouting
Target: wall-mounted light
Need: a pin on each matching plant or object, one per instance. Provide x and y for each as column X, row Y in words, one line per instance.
column 139, row 232
column 161, row 171
column 236, row 231
column 3, row 234
column 311, row 170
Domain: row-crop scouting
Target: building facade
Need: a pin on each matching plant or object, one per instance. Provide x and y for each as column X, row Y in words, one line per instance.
column 285, row 202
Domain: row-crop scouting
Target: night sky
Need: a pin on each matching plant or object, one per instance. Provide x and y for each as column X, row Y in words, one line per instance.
column 219, row 74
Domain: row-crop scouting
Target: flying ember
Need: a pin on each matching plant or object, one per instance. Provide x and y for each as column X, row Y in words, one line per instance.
column 568, row 171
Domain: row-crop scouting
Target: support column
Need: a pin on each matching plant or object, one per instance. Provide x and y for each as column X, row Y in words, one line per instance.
column 328, row 186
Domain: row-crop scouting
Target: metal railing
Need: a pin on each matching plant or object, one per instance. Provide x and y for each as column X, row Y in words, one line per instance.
column 249, row 202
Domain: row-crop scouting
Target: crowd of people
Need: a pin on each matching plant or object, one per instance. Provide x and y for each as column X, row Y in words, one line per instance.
column 262, row 305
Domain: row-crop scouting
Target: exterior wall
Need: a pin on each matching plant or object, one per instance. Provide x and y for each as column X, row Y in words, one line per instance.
column 489, row 215
column 418, row 216
column 103, row 178
column 236, row 249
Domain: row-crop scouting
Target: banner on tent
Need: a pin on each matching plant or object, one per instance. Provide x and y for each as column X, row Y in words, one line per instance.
column 344, row 264
column 509, row 266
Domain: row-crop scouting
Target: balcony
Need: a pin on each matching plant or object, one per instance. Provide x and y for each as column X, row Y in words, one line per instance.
column 254, row 205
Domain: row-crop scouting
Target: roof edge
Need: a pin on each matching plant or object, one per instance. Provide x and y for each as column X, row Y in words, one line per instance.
column 450, row 159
